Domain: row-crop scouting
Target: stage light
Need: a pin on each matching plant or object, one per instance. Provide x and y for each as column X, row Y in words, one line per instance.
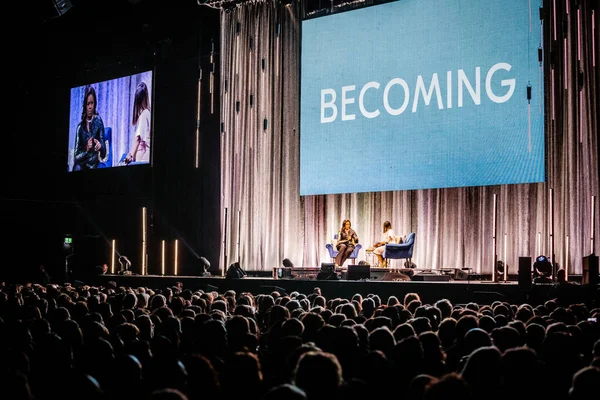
column 542, row 270
column 287, row 263
column 205, row 266
column 501, row 270
column 125, row 265
column 235, row 271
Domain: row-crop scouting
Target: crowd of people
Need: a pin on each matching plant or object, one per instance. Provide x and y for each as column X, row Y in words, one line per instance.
column 116, row 342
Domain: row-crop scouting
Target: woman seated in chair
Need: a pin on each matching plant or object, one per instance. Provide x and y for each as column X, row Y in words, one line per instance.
column 347, row 240
column 386, row 237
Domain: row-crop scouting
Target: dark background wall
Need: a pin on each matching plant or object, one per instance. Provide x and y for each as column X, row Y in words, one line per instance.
column 40, row 203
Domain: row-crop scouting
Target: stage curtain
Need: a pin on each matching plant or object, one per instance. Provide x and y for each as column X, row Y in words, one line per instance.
column 264, row 219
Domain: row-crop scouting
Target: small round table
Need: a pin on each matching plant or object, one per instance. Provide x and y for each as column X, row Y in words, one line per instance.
column 371, row 259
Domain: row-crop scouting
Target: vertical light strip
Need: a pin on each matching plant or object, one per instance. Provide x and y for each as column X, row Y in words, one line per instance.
column 211, row 76
column 505, row 259
column 494, row 238
column 239, row 252
column 551, row 208
column 578, row 34
column 162, row 257
column 541, row 72
column 113, row 256
column 552, row 92
column 567, row 259
column 197, row 155
column 579, row 40
column 539, row 244
column 144, row 241
column 566, row 61
column 580, row 116
column 554, row 17
column 593, row 40
column 277, row 40
column 176, row 258
column 593, row 228
column 565, row 34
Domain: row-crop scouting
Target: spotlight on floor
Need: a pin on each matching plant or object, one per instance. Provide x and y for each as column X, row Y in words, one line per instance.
column 205, row 264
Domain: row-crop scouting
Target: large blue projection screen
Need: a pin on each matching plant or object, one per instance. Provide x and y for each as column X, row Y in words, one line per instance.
column 422, row 94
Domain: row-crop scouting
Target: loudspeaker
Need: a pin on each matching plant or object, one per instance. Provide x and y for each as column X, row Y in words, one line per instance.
column 235, row 271
column 358, row 272
column 327, row 267
column 590, row 270
column 327, row 272
column 524, row 277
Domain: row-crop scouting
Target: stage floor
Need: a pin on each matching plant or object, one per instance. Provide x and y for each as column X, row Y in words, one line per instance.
column 457, row 291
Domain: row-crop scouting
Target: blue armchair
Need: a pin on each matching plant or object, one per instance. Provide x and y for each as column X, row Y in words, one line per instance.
column 333, row 251
column 404, row 250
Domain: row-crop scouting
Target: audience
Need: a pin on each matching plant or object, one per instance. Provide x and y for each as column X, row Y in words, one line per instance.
column 119, row 342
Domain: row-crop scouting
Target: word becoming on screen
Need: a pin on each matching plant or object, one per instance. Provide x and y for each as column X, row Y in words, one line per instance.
column 329, row 108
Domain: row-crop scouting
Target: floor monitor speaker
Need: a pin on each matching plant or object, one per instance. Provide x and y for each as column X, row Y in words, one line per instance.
column 358, row 272
column 590, row 270
column 525, row 269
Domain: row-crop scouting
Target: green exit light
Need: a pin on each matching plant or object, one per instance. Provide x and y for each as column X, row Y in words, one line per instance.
column 68, row 240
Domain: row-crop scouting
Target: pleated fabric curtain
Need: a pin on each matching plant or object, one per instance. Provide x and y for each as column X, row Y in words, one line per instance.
column 265, row 220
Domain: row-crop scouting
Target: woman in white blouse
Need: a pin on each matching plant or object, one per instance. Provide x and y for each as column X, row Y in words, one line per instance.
column 142, row 123
column 386, row 237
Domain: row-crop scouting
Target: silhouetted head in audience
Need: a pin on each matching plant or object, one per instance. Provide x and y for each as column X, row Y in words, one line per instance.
column 319, row 374
column 521, row 369
column 284, row 391
column 368, row 307
column 420, row 324
column 585, row 382
column 464, row 325
column 535, row 336
column 382, row 339
column 167, row 394
column 408, row 297
column 407, row 356
column 416, row 387
column 445, row 307
column 483, row 373
column 447, row 332
column 487, row 323
column 506, row 337
column 242, row 376
column 413, row 305
column 403, row 331
column 449, row 386
column 475, row 339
